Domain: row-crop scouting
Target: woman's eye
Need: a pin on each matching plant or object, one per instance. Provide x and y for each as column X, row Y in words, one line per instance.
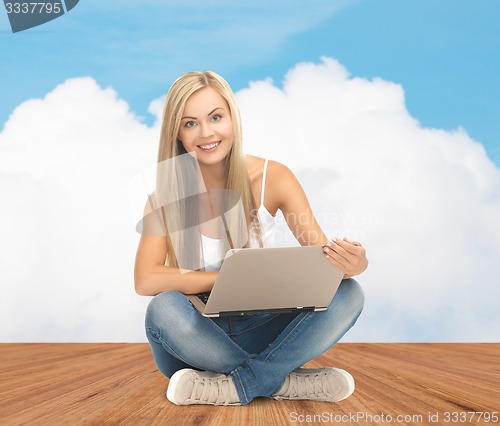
column 189, row 124
column 216, row 117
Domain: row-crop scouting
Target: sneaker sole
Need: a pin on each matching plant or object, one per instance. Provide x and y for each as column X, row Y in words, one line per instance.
column 173, row 383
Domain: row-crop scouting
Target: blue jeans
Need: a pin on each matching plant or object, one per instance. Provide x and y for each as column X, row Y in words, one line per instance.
column 258, row 351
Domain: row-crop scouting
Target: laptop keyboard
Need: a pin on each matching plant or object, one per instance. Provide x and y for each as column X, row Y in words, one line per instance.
column 203, row 296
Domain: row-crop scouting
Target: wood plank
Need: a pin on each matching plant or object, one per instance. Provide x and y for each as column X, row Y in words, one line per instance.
column 107, row 384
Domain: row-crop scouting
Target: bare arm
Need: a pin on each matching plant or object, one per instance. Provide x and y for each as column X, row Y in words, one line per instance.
column 152, row 277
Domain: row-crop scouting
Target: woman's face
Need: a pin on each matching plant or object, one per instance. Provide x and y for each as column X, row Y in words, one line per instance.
column 206, row 126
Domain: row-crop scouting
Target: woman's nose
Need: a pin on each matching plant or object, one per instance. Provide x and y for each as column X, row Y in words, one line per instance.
column 206, row 130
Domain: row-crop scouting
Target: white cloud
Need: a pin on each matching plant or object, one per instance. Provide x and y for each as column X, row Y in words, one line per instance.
column 67, row 238
column 424, row 202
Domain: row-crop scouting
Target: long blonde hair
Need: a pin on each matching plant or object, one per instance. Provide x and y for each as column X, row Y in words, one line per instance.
column 237, row 178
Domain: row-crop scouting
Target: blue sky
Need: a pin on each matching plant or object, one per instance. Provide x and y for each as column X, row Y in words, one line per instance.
column 352, row 68
column 445, row 53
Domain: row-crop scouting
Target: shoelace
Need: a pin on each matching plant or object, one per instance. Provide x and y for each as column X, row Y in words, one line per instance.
column 211, row 390
column 311, row 385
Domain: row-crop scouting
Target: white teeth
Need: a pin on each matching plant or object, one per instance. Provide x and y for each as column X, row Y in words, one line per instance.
column 212, row 145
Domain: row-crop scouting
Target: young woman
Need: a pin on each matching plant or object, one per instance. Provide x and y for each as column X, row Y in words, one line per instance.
column 232, row 360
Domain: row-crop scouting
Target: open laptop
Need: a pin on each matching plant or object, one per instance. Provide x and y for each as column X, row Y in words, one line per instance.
column 252, row 281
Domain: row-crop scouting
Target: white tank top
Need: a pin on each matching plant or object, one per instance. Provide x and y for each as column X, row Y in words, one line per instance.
column 211, row 246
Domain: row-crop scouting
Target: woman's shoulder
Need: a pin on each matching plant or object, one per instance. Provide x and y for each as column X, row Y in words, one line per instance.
column 275, row 169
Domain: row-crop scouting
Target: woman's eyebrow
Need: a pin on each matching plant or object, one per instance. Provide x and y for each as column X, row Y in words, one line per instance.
column 195, row 118
column 211, row 112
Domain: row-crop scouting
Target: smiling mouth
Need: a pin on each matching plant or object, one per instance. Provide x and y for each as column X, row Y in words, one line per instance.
column 209, row 146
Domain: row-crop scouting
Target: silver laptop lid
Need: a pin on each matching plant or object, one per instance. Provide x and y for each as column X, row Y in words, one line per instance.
column 260, row 279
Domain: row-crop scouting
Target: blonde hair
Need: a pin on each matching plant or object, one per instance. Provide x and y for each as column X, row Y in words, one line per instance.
column 237, row 178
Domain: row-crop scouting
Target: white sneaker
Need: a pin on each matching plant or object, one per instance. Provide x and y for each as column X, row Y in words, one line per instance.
column 319, row 384
column 189, row 386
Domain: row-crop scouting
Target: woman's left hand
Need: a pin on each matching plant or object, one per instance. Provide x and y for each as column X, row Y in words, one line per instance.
column 348, row 256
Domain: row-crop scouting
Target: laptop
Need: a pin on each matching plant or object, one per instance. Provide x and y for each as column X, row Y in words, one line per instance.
column 254, row 281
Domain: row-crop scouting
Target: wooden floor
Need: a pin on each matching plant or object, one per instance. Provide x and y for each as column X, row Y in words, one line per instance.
column 110, row 384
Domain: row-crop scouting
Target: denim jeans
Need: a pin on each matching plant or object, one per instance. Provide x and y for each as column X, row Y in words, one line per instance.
column 257, row 351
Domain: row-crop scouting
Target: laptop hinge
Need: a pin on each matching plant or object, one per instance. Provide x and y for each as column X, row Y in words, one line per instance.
column 269, row 311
